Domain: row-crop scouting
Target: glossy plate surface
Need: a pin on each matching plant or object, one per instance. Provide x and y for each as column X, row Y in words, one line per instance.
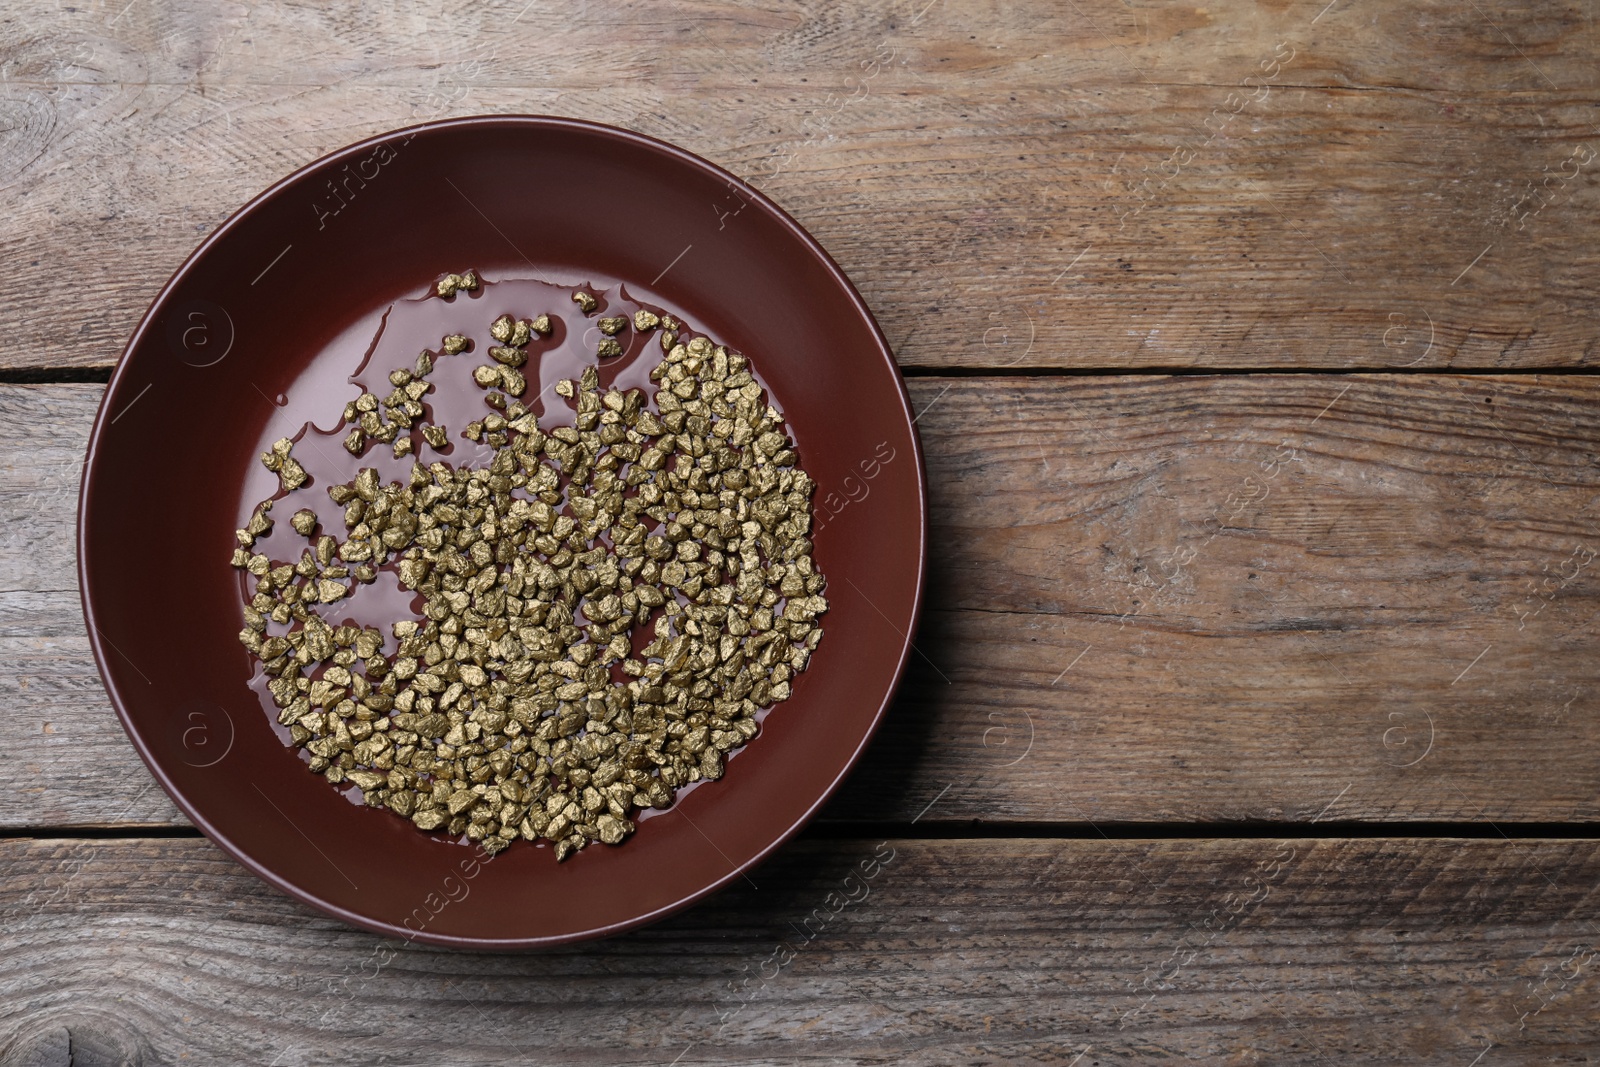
column 253, row 336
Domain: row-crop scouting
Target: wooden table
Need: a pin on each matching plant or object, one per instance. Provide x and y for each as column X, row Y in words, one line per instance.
column 1255, row 720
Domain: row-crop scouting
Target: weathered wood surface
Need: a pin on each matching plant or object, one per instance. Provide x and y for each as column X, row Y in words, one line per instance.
column 1155, row 600
column 1096, row 184
column 1296, row 598
column 977, row 952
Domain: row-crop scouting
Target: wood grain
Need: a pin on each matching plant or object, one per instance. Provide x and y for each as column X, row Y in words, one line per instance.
column 978, row 952
column 1100, row 184
column 1197, row 598
column 1345, row 598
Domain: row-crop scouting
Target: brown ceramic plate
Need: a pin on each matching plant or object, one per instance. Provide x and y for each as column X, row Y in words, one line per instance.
column 253, row 336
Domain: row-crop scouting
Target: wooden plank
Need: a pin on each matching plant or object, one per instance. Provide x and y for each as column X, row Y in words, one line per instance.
column 1089, row 185
column 1284, row 597
column 1196, row 598
column 72, row 763
column 979, row 952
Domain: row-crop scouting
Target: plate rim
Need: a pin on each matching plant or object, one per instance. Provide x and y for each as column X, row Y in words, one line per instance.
column 86, row 488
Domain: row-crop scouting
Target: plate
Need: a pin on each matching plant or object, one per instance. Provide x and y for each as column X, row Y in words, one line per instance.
column 257, row 333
